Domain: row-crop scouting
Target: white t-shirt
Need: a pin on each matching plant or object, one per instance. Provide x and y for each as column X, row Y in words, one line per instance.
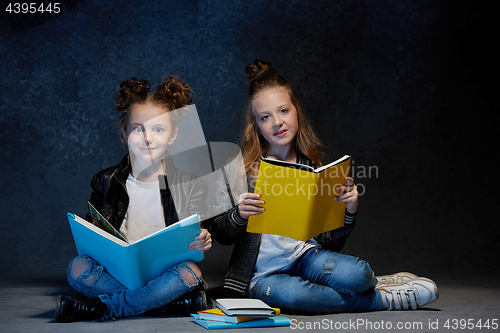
column 276, row 252
column 145, row 212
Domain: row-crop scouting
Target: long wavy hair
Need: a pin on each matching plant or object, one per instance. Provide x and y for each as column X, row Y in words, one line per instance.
column 262, row 76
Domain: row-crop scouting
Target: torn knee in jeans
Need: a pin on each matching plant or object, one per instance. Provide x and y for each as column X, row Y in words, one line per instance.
column 329, row 265
column 81, row 265
column 190, row 273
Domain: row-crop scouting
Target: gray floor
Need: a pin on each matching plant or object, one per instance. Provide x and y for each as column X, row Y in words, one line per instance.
column 29, row 307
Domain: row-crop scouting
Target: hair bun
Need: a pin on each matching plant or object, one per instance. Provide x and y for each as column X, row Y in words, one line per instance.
column 131, row 90
column 174, row 89
column 256, row 69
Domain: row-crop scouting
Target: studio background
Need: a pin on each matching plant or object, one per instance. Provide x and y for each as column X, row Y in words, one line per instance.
column 408, row 88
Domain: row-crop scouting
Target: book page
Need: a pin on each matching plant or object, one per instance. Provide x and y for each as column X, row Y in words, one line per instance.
column 193, row 219
column 99, row 221
column 289, row 164
column 99, row 231
column 340, row 160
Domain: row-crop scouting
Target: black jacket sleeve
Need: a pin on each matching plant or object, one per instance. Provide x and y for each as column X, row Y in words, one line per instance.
column 334, row 240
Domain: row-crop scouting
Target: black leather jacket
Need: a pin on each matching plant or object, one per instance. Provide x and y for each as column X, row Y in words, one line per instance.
column 110, row 198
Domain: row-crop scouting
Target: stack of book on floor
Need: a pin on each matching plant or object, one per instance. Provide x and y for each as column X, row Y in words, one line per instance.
column 240, row 313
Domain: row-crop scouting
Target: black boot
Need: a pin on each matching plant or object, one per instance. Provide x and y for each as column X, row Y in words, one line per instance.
column 190, row 303
column 69, row 309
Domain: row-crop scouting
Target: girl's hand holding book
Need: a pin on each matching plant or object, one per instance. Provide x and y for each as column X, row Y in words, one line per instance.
column 246, row 205
column 202, row 242
column 348, row 194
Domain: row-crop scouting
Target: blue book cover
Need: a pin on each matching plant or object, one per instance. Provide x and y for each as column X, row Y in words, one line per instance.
column 134, row 265
column 267, row 322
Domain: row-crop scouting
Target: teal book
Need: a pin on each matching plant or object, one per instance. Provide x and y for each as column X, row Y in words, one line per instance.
column 134, row 265
column 267, row 322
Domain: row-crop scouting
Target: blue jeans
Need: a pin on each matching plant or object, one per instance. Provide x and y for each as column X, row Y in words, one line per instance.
column 123, row 302
column 320, row 281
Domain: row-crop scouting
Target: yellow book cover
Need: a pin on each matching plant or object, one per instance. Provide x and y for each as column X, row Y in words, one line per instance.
column 299, row 199
column 218, row 315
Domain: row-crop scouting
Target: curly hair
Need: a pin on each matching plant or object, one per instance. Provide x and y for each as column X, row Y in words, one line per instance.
column 170, row 95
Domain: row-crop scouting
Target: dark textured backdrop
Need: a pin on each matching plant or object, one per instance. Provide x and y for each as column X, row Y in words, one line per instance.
column 408, row 87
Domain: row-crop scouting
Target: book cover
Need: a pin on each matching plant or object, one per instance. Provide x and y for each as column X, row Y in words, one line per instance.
column 134, row 265
column 299, row 199
column 245, row 307
column 266, row 322
column 218, row 315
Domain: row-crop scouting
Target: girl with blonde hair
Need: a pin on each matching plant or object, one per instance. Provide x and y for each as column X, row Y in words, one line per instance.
column 303, row 277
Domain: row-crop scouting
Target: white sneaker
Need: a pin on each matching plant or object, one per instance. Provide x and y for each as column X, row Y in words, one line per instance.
column 412, row 294
column 398, row 278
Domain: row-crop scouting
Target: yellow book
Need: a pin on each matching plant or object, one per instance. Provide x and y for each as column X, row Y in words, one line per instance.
column 218, row 315
column 299, row 199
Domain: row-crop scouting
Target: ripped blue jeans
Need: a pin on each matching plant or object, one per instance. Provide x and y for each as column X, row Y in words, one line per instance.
column 123, row 302
column 320, row 281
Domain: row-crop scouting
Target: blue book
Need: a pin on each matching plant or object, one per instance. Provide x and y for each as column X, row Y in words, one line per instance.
column 267, row 322
column 134, row 265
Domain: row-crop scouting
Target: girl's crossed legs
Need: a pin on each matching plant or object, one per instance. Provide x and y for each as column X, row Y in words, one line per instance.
column 321, row 281
column 87, row 276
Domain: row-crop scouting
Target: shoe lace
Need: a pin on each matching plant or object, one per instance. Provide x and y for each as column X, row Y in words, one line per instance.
column 403, row 299
column 396, row 279
column 87, row 309
column 182, row 306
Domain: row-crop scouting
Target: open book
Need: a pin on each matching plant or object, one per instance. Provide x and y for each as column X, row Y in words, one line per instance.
column 299, row 199
column 134, row 265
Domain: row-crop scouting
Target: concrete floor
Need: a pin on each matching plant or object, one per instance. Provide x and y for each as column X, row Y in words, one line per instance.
column 26, row 306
